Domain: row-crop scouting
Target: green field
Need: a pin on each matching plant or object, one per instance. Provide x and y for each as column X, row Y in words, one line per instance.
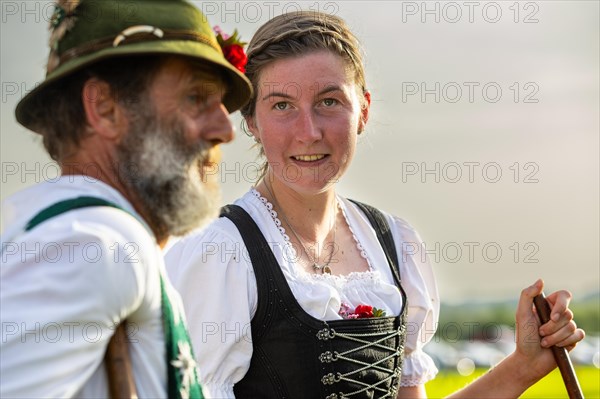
column 550, row 387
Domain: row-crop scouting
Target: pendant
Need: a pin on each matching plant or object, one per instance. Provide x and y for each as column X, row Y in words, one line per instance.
column 322, row 269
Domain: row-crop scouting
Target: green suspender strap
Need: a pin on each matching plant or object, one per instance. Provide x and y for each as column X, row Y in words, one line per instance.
column 181, row 367
column 66, row 206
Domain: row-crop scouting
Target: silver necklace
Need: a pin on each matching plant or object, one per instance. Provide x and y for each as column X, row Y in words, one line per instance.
column 324, row 268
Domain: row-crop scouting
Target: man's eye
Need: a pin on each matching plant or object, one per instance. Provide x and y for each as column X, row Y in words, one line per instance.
column 198, row 101
column 194, row 98
column 330, row 102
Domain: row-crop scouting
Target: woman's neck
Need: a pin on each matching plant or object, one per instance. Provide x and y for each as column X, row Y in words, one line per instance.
column 310, row 215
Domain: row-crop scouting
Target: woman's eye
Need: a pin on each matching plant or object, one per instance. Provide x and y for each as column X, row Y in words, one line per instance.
column 281, row 105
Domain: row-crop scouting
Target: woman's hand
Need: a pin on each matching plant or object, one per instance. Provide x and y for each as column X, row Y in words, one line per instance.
column 532, row 359
column 534, row 340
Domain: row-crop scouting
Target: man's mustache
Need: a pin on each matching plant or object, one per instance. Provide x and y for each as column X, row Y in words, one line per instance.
column 208, row 161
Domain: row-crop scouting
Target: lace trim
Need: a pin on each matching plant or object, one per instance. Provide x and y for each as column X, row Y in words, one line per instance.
column 415, row 381
column 368, row 275
column 363, row 253
column 418, row 369
column 273, row 214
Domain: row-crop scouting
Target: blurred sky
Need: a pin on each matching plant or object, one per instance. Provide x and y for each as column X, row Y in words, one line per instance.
column 484, row 130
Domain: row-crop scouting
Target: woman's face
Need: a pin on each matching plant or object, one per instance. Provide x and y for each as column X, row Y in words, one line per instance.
column 307, row 118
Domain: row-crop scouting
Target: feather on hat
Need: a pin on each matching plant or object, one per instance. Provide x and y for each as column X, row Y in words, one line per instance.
column 63, row 19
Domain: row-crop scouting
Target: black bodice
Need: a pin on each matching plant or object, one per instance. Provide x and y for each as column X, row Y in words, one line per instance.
column 298, row 356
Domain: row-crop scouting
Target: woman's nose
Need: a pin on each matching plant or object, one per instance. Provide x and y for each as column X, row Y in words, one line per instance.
column 308, row 129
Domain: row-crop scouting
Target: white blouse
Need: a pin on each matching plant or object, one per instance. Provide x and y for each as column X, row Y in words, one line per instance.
column 65, row 288
column 211, row 270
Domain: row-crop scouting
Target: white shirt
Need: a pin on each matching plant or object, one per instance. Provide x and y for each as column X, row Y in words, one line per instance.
column 66, row 283
column 211, row 270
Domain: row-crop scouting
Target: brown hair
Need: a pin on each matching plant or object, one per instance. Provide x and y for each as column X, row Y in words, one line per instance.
column 298, row 33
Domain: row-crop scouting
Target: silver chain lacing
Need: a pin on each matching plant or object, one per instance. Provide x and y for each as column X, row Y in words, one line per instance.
column 328, row 357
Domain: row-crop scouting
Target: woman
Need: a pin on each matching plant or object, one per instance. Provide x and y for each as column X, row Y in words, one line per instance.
column 299, row 292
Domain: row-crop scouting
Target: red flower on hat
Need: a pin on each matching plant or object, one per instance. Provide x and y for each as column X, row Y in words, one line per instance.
column 233, row 48
column 236, row 56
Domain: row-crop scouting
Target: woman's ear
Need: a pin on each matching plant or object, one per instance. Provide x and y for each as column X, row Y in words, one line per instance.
column 364, row 111
column 251, row 123
column 102, row 112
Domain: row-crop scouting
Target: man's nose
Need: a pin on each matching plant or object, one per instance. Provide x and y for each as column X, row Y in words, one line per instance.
column 219, row 128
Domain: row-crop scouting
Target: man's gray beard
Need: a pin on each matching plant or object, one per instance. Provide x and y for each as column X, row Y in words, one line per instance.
column 163, row 169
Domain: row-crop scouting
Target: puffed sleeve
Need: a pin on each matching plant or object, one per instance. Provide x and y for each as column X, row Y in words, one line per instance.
column 212, row 272
column 423, row 303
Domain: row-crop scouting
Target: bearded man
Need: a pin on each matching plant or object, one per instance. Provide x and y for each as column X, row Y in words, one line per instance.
column 133, row 102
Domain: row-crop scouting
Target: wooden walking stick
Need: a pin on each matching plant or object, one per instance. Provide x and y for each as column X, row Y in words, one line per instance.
column 118, row 366
column 560, row 354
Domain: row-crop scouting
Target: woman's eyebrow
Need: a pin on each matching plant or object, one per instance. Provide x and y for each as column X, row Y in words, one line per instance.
column 329, row 89
column 276, row 94
column 326, row 89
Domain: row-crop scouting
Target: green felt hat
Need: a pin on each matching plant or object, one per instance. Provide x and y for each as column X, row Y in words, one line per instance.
column 84, row 32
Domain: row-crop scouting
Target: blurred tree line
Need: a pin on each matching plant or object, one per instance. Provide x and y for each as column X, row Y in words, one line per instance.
column 482, row 321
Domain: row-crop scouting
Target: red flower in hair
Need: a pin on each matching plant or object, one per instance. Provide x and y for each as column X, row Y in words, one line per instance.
column 233, row 48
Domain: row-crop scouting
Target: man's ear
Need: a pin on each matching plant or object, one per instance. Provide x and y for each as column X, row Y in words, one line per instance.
column 364, row 112
column 102, row 112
